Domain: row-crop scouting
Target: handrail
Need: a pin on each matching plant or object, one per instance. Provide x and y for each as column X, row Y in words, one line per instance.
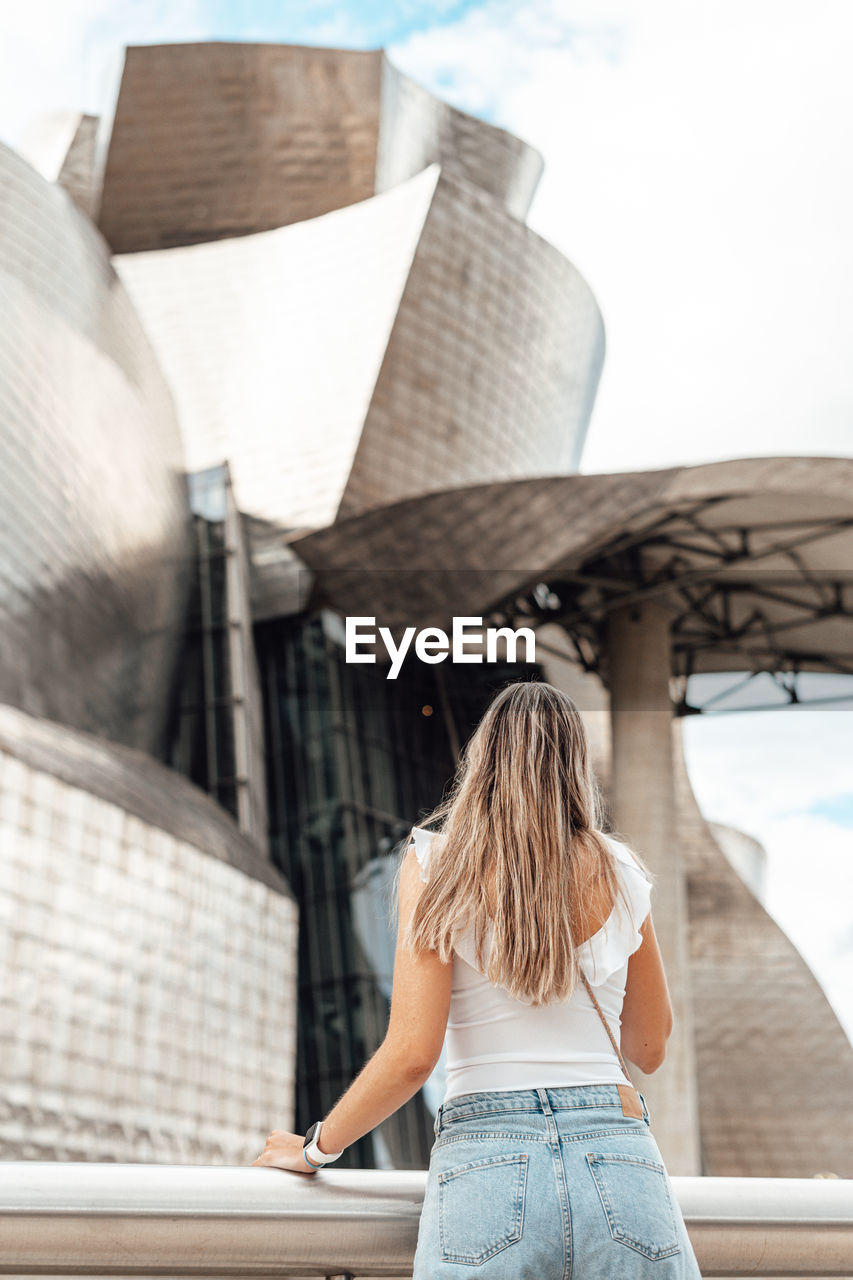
column 194, row 1220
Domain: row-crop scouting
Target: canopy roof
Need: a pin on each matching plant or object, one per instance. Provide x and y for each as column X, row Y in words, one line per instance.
column 753, row 555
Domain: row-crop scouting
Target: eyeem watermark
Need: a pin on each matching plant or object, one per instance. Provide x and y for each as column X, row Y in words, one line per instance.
column 469, row 641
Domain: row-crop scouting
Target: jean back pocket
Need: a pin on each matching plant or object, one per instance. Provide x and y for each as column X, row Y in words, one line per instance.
column 637, row 1201
column 481, row 1207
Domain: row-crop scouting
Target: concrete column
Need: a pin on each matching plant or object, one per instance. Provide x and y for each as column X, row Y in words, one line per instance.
column 642, row 807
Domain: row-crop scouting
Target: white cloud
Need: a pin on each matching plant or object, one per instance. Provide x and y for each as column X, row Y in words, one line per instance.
column 698, row 171
column 803, row 756
column 66, row 54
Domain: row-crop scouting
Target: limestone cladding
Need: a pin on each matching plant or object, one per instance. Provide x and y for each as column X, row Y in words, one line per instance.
column 148, row 1009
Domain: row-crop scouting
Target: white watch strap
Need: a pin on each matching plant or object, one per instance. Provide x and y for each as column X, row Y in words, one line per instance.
column 316, row 1156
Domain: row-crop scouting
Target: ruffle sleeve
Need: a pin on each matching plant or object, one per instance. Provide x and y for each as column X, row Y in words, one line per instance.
column 619, row 937
column 422, row 839
column 606, row 951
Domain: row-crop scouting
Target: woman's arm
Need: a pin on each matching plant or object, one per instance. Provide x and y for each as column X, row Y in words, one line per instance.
column 647, row 1009
column 420, row 1003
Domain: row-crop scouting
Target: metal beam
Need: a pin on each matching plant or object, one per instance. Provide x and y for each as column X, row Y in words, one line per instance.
column 662, row 584
column 689, row 709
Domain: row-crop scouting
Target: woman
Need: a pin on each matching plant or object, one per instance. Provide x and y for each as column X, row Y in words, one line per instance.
column 525, row 934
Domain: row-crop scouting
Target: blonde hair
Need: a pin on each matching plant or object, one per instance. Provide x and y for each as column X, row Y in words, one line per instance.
column 519, row 847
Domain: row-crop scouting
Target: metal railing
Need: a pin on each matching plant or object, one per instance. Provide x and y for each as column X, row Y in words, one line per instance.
column 191, row 1220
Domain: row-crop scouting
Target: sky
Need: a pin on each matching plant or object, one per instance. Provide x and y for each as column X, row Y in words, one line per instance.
column 699, row 173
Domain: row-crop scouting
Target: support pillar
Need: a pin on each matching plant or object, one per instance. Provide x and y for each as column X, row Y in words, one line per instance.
column 642, row 807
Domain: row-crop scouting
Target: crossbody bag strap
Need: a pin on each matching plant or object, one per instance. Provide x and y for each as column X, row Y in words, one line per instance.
column 610, row 1034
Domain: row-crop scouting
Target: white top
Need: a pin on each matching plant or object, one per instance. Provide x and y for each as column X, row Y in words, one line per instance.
column 494, row 1041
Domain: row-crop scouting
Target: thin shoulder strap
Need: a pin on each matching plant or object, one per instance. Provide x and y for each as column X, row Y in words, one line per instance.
column 606, row 1025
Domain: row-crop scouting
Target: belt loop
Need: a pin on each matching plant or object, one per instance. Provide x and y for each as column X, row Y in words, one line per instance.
column 437, row 1126
column 545, row 1104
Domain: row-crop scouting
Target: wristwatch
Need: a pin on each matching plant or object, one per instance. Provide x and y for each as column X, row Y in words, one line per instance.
column 312, row 1154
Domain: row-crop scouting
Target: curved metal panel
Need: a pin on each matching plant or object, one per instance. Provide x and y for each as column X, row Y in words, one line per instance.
column 94, row 539
column 272, row 345
column 213, row 140
column 413, row 341
column 216, row 140
column 774, row 1065
column 417, row 129
column 493, row 363
column 137, row 784
column 151, row 1015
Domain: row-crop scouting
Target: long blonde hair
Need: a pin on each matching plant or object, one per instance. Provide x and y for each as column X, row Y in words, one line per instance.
column 519, row 847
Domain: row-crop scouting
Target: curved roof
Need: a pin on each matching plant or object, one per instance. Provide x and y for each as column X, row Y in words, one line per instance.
column 753, row 555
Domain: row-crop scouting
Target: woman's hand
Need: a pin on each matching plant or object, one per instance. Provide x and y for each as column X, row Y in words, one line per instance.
column 284, row 1151
column 420, row 1003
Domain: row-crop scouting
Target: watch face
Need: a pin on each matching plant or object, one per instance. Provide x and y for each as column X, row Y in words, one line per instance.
column 309, row 1137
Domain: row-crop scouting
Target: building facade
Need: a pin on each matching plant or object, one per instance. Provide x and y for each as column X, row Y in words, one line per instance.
column 284, row 349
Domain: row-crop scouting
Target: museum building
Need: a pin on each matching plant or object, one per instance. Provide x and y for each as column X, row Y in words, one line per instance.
column 281, row 349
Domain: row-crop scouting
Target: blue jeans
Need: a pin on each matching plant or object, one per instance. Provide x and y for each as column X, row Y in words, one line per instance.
column 549, row 1183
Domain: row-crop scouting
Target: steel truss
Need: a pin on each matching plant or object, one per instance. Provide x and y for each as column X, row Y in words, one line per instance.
column 659, row 560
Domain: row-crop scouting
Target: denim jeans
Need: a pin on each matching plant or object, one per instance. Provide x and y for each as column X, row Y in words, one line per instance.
column 549, row 1183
